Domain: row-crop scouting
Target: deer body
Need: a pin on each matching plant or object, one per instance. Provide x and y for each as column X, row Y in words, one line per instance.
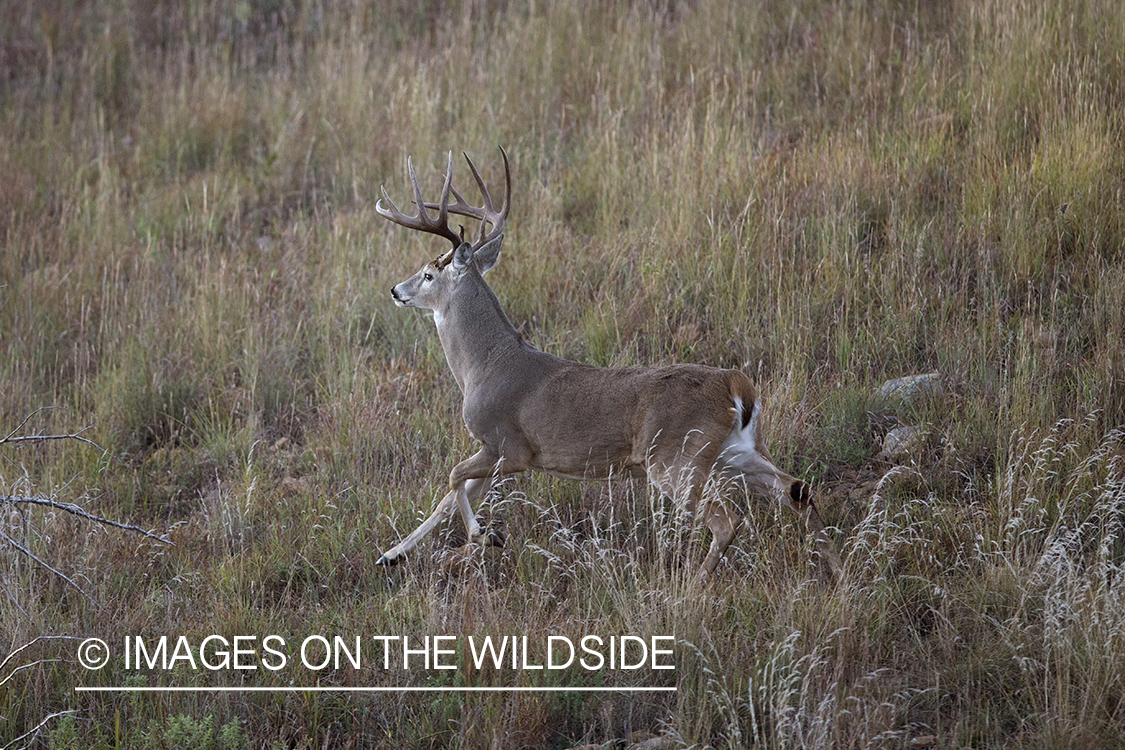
column 531, row 410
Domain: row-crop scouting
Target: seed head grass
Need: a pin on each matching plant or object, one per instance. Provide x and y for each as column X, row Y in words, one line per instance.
column 825, row 195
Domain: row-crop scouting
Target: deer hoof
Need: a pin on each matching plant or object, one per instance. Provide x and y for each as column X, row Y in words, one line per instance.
column 389, row 562
column 495, row 538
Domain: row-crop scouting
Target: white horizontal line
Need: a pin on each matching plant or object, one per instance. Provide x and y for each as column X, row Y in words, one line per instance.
column 339, row 689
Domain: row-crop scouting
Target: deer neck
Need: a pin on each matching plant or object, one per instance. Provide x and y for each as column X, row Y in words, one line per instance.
column 475, row 333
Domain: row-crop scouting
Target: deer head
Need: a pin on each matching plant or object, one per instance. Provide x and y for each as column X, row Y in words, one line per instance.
column 435, row 282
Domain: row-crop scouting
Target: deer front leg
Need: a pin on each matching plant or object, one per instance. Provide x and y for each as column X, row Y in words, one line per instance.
column 473, row 488
column 824, row 543
column 482, row 467
column 755, row 470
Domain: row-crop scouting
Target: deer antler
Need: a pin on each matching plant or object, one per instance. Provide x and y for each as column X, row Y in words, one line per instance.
column 422, row 222
column 486, row 213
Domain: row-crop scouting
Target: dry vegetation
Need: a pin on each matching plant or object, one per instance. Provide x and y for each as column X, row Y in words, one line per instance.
column 824, row 194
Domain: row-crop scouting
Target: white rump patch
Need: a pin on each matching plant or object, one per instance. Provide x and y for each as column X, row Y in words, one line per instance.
column 739, row 448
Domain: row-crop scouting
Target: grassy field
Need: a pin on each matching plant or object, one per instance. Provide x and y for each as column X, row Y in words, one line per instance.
column 824, row 194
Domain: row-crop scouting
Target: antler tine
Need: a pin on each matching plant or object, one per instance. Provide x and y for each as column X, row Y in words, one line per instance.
column 487, row 213
column 480, row 183
column 444, row 213
column 507, row 188
column 422, row 215
column 443, row 207
column 422, row 222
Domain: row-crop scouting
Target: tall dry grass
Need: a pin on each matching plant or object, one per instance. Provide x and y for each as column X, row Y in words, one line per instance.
column 826, row 195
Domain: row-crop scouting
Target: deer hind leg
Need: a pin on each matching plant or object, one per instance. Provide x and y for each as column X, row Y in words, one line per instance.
column 683, row 476
column 724, row 525
column 744, row 460
column 687, row 484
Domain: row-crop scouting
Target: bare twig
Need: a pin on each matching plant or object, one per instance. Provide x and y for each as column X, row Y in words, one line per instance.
column 12, row 655
column 29, row 665
column 61, row 575
column 31, row 643
column 35, row 730
column 15, row 501
column 26, row 420
column 78, row 511
column 36, row 438
column 12, row 437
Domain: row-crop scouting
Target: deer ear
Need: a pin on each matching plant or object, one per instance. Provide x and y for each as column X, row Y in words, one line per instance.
column 487, row 255
column 462, row 256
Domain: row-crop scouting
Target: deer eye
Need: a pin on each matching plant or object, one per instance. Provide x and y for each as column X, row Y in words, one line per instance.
column 428, row 277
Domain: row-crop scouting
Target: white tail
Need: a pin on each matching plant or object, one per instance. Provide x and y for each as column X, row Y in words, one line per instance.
column 532, row 410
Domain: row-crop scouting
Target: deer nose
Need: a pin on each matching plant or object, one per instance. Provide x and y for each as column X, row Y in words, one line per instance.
column 394, row 292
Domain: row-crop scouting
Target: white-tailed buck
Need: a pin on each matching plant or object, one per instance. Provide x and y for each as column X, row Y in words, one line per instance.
column 532, row 410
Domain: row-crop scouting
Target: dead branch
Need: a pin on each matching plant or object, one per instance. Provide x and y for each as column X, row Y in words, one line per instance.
column 34, row 732
column 16, row 439
column 31, row 643
column 79, row 511
column 13, row 438
column 59, row 573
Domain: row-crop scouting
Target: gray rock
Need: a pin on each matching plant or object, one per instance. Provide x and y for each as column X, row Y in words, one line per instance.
column 902, row 441
column 911, row 389
column 655, row 743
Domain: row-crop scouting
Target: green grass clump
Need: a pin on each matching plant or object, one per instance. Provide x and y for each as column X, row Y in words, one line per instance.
column 826, row 196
